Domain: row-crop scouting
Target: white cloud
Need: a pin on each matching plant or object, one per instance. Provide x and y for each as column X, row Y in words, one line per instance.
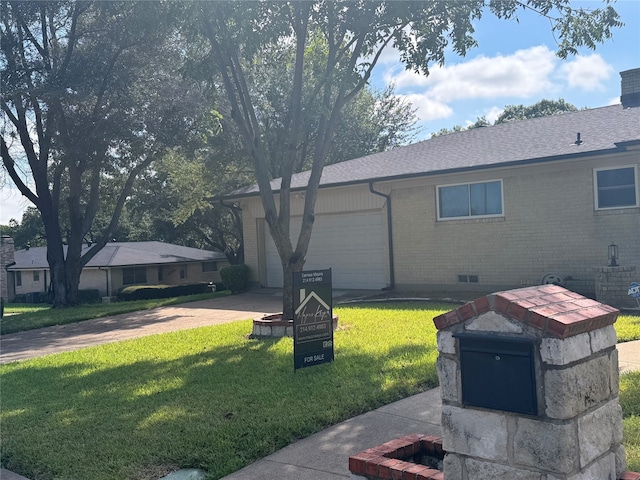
column 587, row 73
column 428, row 108
column 523, row 74
column 493, row 113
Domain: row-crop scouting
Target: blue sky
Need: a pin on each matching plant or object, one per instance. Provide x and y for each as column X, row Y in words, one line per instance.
column 514, row 63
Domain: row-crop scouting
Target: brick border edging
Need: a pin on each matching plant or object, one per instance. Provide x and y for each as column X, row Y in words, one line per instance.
column 384, row 461
column 630, row 476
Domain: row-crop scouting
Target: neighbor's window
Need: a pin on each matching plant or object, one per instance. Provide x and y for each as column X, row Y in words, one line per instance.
column 36, row 276
column 480, row 199
column 183, row 272
column 18, row 279
column 160, row 274
column 209, row 266
column 134, row 275
column 616, row 187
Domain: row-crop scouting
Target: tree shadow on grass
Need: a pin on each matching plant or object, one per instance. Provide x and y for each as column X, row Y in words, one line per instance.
column 218, row 407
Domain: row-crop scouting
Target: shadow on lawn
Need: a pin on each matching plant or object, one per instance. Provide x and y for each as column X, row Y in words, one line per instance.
column 217, row 408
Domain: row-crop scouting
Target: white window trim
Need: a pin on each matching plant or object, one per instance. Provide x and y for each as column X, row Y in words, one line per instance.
column 469, row 217
column 617, row 167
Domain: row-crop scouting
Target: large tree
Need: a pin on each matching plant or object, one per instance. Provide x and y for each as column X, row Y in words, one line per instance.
column 512, row 113
column 351, row 35
column 176, row 194
column 91, row 97
column 542, row 108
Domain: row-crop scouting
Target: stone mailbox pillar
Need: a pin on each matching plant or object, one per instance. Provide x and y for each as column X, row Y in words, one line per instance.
column 529, row 381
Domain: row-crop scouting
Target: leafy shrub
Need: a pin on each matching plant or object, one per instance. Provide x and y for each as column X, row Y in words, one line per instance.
column 150, row 292
column 31, row 297
column 20, row 298
column 89, row 295
column 235, row 277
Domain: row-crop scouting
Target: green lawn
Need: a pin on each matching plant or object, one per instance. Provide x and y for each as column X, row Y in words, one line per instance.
column 628, row 327
column 630, row 402
column 198, row 398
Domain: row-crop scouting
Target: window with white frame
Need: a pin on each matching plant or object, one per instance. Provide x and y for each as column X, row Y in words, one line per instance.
column 36, row 276
column 616, row 187
column 469, row 200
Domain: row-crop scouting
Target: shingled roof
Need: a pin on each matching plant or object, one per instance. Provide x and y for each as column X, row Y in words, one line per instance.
column 551, row 138
column 122, row 254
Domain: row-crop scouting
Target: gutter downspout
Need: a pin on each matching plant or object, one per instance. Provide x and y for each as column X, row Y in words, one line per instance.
column 106, row 272
column 392, row 275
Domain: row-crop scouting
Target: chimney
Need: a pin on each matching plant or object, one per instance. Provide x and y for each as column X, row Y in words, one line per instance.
column 7, row 251
column 630, row 91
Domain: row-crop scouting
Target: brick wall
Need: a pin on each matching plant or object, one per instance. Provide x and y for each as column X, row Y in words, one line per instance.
column 630, row 88
column 612, row 284
column 549, row 225
column 7, row 250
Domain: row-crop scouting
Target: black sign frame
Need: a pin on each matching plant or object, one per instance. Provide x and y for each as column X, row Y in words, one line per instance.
column 312, row 318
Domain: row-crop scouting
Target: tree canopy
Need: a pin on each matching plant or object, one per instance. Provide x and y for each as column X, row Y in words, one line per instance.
column 92, row 95
column 352, row 35
column 513, row 113
column 95, row 92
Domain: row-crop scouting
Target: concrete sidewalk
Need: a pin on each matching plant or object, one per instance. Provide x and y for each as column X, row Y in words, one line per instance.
column 325, row 455
column 629, row 356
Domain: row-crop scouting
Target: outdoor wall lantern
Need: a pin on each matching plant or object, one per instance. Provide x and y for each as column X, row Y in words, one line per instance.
column 613, row 255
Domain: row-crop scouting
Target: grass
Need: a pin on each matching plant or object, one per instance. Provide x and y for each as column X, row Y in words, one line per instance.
column 198, row 398
column 630, row 402
column 29, row 317
column 142, row 408
column 628, row 327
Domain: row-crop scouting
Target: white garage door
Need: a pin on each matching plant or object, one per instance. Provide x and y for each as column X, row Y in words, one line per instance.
column 353, row 245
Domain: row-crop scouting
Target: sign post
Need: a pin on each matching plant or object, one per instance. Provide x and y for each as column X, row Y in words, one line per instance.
column 313, row 318
column 634, row 292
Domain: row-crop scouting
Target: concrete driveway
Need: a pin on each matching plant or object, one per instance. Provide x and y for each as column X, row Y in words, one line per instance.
column 74, row 336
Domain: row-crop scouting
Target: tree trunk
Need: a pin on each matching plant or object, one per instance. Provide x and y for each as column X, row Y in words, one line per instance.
column 55, row 253
column 72, row 276
column 288, row 269
column 55, row 257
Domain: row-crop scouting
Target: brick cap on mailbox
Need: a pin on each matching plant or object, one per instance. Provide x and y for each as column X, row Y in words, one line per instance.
column 552, row 309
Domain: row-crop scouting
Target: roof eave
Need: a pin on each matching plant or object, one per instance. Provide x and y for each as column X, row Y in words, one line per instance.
column 620, row 147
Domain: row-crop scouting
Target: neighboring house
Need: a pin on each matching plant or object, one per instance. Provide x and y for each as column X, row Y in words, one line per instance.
column 490, row 208
column 117, row 265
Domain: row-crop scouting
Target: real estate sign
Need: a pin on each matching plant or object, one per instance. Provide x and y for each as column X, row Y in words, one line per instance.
column 313, row 318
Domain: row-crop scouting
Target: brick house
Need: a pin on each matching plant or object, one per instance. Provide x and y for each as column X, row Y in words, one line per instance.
column 491, row 208
column 117, row 265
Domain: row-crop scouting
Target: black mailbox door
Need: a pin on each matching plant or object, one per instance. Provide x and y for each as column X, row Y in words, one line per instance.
column 498, row 373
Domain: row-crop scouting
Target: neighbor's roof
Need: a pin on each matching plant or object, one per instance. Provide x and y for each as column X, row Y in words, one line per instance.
column 122, row 254
column 528, row 141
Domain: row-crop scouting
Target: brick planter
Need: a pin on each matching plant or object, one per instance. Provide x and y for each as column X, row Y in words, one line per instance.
column 412, row 457
column 273, row 326
column 404, row 458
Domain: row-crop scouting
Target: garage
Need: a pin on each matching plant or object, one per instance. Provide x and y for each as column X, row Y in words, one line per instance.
column 353, row 245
